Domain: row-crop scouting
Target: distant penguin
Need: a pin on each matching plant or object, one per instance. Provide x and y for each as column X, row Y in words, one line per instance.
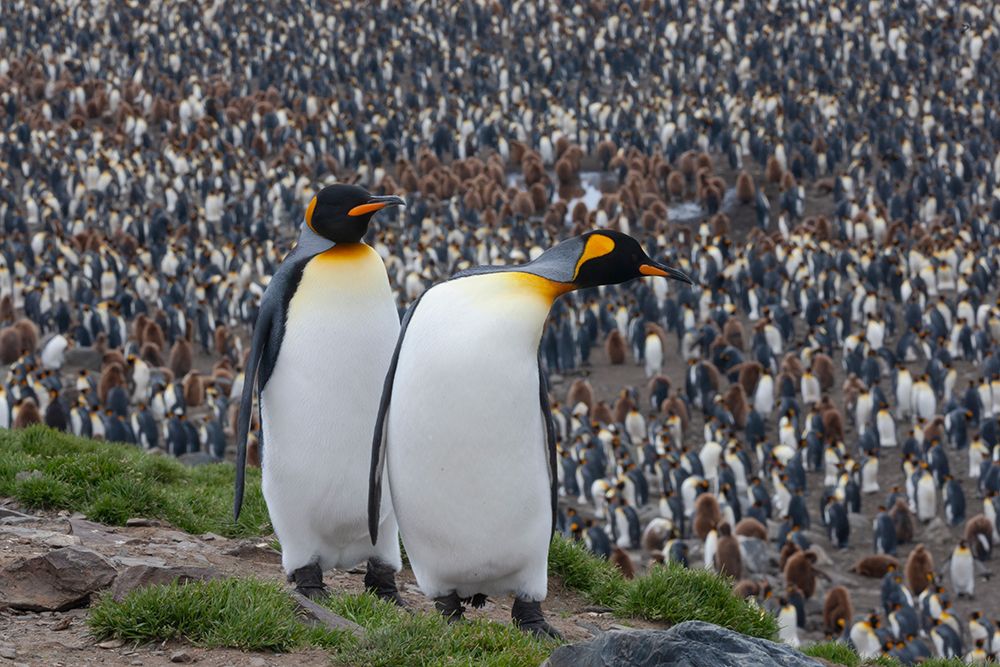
column 321, row 345
column 421, row 435
column 707, row 515
column 979, row 536
column 788, row 630
column 864, row 638
column 875, row 566
column 800, row 572
column 623, row 562
column 962, row 570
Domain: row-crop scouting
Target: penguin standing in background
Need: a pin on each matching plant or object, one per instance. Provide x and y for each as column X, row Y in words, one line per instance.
column 962, row 570
column 322, row 342
column 494, row 448
column 954, row 501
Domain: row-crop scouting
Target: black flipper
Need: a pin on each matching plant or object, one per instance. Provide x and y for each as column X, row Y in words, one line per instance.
column 378, row 440
column 268, row 332
column 550, row 441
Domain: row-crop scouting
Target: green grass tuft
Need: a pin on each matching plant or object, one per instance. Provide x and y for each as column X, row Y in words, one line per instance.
column 836, row 652
column 239, row 613
column 396, row 637
column 112, row 483
column 668, row 593
column 255, row 615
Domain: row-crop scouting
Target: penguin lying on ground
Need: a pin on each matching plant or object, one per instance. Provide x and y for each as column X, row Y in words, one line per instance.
column 470, row 470
column 321, row 345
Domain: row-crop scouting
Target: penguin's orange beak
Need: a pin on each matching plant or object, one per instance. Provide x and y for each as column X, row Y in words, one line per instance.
column 664, row 271
column 376, row 204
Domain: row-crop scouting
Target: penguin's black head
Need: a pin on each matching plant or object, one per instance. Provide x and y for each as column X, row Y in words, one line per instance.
column 609, row 257
column 341, row 212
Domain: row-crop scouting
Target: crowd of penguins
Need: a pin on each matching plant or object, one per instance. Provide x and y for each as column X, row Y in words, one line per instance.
column 156, row 159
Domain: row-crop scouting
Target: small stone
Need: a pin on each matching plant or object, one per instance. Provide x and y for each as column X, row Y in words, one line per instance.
column 181, row 656
column 136, row 662
column 62, row 624
column 28, row 474
column 112, row 643
column 8, row 652
column 258, row 662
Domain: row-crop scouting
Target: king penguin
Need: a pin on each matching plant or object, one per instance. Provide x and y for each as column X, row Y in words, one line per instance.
column 468, row 472
column 321, row 346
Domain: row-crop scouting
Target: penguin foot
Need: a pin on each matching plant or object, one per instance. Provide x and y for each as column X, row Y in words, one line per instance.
column 308, row 581
column 478, row 601
column 380, row 579
column 528, row 617
column 450, row 607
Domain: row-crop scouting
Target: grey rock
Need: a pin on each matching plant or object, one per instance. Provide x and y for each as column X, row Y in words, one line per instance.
column 8, row 513
column 320, row 615
column 258, row 662
column 112, row 643
column 690, row 644
column 84, row 357
column 757, row 555
column 140, row 576
column 94, row 534
column 8, row 652
column 61, row 579
column 27, row 474
column 181, row 656
column 127, row 561
column 937, row 531
column 49, row 538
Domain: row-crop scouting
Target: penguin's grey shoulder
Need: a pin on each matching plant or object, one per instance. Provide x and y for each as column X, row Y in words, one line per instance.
column 379, row 437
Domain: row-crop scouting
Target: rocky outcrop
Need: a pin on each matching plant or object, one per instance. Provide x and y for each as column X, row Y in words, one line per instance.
column 140, row 576
column 691, row 644
column 61, row 579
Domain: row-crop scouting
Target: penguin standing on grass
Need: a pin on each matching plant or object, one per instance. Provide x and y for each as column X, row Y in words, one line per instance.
column 321, row 346
column 469, row 471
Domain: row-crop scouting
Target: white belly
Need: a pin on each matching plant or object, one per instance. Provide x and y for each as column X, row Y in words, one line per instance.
column 466, row 448
column 318, row 412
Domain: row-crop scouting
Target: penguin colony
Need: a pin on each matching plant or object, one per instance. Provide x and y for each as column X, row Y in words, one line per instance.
column 830, row 179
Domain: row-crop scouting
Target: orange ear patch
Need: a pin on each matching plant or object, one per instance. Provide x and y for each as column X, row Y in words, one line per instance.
column 598, row 245
column 367, row 208
column 309, row 213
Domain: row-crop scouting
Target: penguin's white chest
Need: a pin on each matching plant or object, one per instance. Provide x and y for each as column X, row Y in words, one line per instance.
column 466, row 445
column 319, row 406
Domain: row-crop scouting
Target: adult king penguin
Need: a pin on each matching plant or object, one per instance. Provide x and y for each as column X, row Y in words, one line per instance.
column 321, row 345
column 468, row 471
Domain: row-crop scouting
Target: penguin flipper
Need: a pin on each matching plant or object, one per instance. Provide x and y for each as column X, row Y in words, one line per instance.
column 550, row 442
column 268, row 331
column 379, row 438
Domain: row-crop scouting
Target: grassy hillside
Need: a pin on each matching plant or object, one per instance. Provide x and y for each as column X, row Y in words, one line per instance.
column 111, row 483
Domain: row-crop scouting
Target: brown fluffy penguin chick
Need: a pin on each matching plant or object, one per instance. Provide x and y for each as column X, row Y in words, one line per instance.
column 614, row 346
column 253, row 451
column 746, row 588
column 919, row 565
column 837, row 606
column 602, row 414
column 773, row 171
column 875, row 566
column 745, row 189
column 902, row 517
column 6, row 309
column 707, row 515
column 151, row 354
column 181, row 358
column 10, row 346
column 580, row 392
column 154, row 334
column 736, row 400
column 822, row 368
column 29, row 334
column 788, row 550
column 194, row 389
column 727, row 553
column 112, row 375
column 799, row 571
column 732, row 332
column 26, row 414
column 751, row 527
column 623, row 562
column 749, row 376
column 979, row 534
column 623, row 406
